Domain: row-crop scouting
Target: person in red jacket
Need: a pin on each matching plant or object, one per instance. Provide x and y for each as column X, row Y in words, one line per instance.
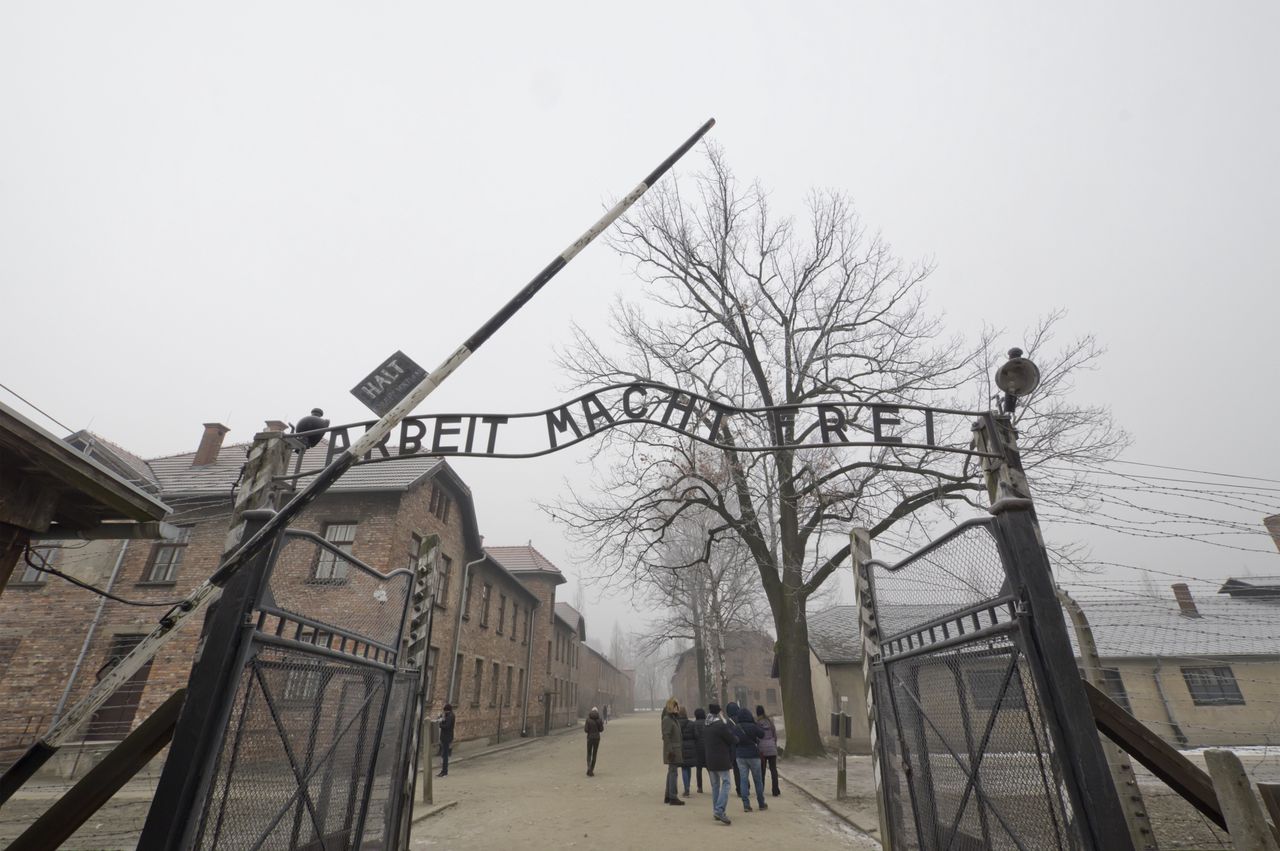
column 593, row 728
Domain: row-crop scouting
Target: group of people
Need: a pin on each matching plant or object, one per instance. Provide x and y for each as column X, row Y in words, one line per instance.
column 726, row 742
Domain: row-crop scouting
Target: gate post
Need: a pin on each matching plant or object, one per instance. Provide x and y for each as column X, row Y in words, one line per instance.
column 1094, row 799
column 211, row 689
column 860, row 549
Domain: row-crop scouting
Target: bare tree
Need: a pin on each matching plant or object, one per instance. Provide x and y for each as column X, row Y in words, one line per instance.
column 752, row 310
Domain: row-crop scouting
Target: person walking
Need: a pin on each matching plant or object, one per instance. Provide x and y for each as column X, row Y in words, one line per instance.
column 748, row 758
column 700, row 746
column 718, row 741
column 731, row 718
column 446, row 738
column 671, row 749
column 606, row 713
column 593, row 728
column 688, row 750
column 768, row 747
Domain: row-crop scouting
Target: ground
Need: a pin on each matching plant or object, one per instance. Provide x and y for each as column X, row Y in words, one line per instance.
column 539, row 797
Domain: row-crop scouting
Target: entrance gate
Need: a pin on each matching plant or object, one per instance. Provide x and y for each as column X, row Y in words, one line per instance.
column 984, row 735
column 318, row 708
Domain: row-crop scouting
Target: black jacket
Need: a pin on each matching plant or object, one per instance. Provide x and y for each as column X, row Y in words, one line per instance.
column 749, row 734
column 699, row 728
column 593, row 727
column 688, row 744
column 446, row 728
column 718, row 739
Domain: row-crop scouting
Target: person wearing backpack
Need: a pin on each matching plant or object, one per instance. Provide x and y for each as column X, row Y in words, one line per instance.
column 748, row 757
column 593, row 727
column 718, row 739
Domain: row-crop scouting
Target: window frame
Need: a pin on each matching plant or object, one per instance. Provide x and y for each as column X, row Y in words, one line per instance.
column 477, row 687
column 486, row 593
column 324, row 557
column 30, row 577
column 176, row 551
column 502, row 613
column 1211, row 676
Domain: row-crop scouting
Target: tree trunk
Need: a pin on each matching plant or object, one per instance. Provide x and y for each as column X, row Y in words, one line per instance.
column 700, row 649
column 804, row 737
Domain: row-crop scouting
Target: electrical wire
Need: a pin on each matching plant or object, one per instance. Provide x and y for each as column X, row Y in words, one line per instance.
column 33, row 405
column 45, row 568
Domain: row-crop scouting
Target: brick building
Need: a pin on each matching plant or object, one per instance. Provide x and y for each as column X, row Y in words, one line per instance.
column 501, row 649
column 603, row 685
column 748, row 667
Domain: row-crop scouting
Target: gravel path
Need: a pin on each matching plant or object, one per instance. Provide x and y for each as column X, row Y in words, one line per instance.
column 539, row 796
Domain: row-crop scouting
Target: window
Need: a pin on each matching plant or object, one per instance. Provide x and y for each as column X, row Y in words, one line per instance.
column 484, row 603
column 415, row 551
column 771, row 696
column 1113, row 685
column 548, row 657
column 985, row 687
column 493, row 684
column 166, row 558
column 440, row 503
column 528, row 626
column 302, row 684
column 329, row 566
column 446, row 572
column 502, row 613
column 506, row 700
column 478, row 685
column 466, row 598
column 433, row 662
column 520, row 686
column 114, row 719
column 515, row 618
column 44, row 557
column 457, row 666
column 1213, row 686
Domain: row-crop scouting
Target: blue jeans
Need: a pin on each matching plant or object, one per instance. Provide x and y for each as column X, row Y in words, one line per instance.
column 747, row 769
column 719, row 790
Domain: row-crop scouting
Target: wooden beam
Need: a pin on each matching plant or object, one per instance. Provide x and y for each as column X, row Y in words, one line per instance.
column 1158, row 756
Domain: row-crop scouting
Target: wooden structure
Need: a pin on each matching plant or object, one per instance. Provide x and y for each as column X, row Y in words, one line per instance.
column 49, row 489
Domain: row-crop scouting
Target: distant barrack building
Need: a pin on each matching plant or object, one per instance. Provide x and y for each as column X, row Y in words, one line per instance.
column 503, row 651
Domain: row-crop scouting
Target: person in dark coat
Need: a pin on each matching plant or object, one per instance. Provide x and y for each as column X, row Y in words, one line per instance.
column 446, row 738
column 718, row 740
column 671, row 749
column 593, row 727
column 688, row 751
column 731, row 718
column 768, row 747
column 699, row 725
column 747, row 753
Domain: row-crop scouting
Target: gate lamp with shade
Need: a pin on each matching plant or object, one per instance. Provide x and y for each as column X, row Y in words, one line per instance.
column 313, row 422
column 1017, row 377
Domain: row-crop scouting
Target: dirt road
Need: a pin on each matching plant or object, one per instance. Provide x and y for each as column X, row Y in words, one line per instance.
column 539, row 797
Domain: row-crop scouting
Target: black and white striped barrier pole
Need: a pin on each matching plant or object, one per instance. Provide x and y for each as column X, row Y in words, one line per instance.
column 210, row 589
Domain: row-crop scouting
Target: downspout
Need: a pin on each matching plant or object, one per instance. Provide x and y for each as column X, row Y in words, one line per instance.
column 457, row 631
column 528, row 669
column 1168, row 710
column 88, row 636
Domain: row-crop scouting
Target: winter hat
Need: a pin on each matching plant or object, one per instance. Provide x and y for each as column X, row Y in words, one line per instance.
column 448, row 707
column 713, row 708
column 700, row 713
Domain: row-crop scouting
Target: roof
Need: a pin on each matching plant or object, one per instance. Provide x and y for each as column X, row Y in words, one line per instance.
column 1144, row 626
column 526, row 560
column 1264, row 587
column 573, row 619
column 84, row 492
column 114, row 456
column 176, row 476
column 834, row 635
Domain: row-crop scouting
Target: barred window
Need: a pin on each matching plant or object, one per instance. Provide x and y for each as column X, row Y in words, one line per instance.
column 479, row 683
column 493, row 685
column 166, row 558
column 502, row 613
column 1113, row 685
column 485, row 592
column 302, row 684
column 1213, row 686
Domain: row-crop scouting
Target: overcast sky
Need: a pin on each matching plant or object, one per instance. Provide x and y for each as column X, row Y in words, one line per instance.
column 231, row 212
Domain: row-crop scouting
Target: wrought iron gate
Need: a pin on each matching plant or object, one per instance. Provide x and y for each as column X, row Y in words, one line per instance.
column 318, row 712
column 984, row 738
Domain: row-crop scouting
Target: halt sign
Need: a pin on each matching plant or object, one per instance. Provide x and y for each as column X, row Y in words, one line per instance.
column 382, row 389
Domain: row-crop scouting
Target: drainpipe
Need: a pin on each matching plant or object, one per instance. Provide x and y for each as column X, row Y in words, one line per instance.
column 1168, row 710
column 528, row 671
column 457, row 631
column 88, row 636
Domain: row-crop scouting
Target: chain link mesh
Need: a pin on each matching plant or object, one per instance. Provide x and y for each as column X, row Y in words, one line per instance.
column 967, row 748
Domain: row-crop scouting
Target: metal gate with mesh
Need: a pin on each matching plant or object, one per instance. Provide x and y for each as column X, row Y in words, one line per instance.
column 315, row 727
column 979, row 706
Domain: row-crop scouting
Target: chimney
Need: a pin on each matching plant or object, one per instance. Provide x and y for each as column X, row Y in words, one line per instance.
column 1185, row 601
column 210, row 444
column 1273, row 526
column 276, row 425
